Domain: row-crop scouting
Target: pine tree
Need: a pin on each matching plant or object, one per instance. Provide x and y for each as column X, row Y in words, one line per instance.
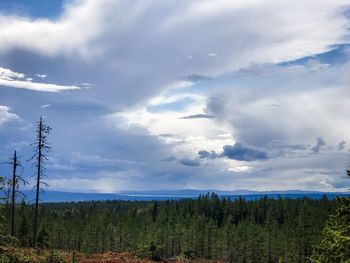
column 23, row 230
column 43, row 238
column 335, row 243
column 41, row 148
column 154, row 212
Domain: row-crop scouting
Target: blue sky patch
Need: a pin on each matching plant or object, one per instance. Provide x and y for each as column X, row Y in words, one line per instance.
column 336, row 55
column 50, row 9
column 178, row 105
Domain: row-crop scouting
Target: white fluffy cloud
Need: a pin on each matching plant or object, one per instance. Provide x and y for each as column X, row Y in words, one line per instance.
column 286, row 104
column 237, row 24
column 166, row 121
column 13, row 79
column 6, row 115
column 141, row 47
column 65, row 36
column 297, row 114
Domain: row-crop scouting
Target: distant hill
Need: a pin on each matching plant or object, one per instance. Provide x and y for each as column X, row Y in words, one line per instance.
column 59, row 196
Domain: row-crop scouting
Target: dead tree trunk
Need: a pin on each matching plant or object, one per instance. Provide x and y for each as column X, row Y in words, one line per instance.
column 38, row 175
column 14, row 182
column 41, row 148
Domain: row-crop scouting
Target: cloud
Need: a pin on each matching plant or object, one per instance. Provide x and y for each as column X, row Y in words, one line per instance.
column 209, row 155
column 35, row 86
column 8, row 74
column 238, row 152
column 13, row 79
column 181, row 19
column 114, row 34
column 197, row 78
column 319, row 143
column 303, row 94
column 212, row 55
column 189, row 162
column 167, row 116
column 42, row 76
column 6, row 115
column 197, row 116
column 50, row 37
column 45, row 106
column 341, row 145
column 98, row 161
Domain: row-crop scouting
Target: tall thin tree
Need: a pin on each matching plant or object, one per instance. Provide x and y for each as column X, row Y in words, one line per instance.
column 13, row 187
column 15, row 163
column 2, row 186
column 41, row 148
column 16, row 179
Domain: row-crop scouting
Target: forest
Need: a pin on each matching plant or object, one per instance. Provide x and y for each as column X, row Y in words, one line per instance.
column 210, row 227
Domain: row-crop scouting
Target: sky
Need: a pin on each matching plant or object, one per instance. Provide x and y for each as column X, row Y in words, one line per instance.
column 178, row 94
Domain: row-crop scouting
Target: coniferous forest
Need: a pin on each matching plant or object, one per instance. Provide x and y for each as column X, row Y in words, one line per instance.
column 210, row 227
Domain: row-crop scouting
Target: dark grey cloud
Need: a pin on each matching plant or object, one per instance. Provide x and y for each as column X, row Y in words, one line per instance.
column 189, row 162
column 238, row 152
column 341, row 145
column 338, row 179
column 170, row 159
column 288, row 147
column 197, row 78
column 167, row 135
column 207, row 155
column 197, row 116
column 319, row 144
column 183, row 161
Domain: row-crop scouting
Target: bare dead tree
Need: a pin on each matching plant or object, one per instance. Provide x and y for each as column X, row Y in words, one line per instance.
column 41, row 148
column 13, row 187
column 16, row 180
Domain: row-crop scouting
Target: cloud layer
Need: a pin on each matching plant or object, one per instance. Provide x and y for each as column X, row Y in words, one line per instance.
column 181, row 94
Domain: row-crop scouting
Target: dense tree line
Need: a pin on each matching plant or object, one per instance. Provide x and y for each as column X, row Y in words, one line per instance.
column 264, row 230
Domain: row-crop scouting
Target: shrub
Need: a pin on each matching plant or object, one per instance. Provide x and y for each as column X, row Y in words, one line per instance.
column 53, row 257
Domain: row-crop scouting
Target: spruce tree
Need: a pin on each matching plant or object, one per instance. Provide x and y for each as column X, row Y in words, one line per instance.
column 43, row 238
column 335, row 243
column 154, row 212
column 23, row 232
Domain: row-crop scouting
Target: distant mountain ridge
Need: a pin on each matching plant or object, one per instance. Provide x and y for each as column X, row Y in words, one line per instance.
column 59, row 196
column 191, row 192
